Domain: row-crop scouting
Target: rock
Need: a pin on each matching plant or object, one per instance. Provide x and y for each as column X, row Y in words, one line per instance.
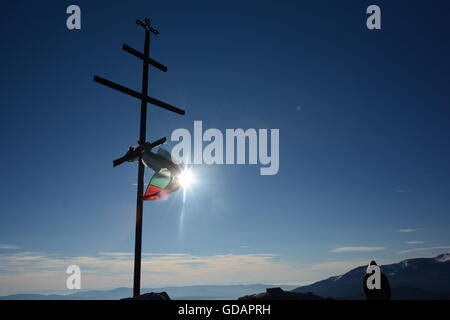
column 280, row 294
column 151, row 296
column 383, row 293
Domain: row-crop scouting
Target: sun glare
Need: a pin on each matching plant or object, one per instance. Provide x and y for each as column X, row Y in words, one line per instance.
column 186, row 178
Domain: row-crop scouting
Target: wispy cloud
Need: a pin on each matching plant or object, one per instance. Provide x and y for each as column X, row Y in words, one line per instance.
column 9, row 246
column 423, row 249
column 30, row 271
column 338, row 267
column 413, row 242
column 357, row 249
column 408, row 230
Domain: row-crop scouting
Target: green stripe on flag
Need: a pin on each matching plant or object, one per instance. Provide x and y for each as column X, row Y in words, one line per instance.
column 161, row 179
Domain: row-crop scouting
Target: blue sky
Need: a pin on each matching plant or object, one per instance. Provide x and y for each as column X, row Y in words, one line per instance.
column 364, row 139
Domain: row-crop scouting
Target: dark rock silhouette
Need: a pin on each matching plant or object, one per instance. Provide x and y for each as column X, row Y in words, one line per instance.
column 280, row 294
column 384, row 293
column 151, row 296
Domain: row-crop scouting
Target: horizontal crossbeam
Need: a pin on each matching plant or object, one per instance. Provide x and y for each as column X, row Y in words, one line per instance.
column 138, row 95
column 148, row 60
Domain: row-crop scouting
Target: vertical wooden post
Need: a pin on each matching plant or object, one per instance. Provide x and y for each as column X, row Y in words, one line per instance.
column 140, row 187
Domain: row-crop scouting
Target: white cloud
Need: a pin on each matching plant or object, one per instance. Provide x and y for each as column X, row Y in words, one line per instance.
column 357, row 249
column 408, row 230
column 339, row 267
column 9, row 246
column 32, row 271
column 423, row 249
column 413, row 242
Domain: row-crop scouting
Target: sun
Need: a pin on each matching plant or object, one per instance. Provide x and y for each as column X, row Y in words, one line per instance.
column 186, row 178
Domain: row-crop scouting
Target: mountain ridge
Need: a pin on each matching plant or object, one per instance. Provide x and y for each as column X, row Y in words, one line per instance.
column 416, row 278
column 200, row 292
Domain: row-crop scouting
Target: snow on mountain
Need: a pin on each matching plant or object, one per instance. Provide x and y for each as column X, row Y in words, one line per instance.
column 443, row 257
column 420, row 278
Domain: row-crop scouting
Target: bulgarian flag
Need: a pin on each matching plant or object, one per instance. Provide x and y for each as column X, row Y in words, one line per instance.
column 164, row 181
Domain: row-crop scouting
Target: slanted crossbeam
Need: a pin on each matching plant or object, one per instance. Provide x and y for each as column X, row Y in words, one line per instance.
column 135, row 153
column 138, row 95
column 148, row 60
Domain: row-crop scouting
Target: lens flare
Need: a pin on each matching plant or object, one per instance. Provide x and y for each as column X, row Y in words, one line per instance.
column 186, row 178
